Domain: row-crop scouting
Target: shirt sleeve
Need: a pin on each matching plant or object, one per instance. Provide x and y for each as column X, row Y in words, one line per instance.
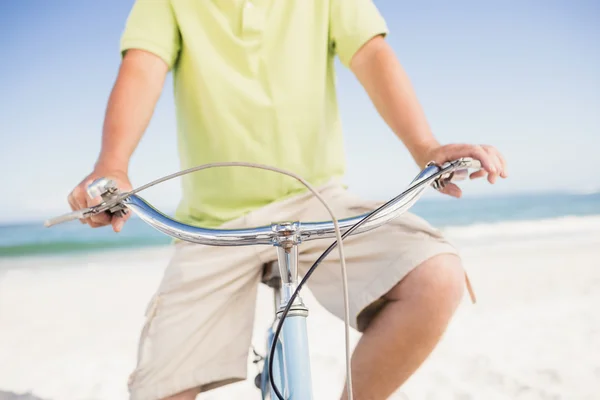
column 152, row 26
column 352, row 23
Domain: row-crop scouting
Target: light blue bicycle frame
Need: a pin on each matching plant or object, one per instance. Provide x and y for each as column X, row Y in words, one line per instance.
column 291, row 366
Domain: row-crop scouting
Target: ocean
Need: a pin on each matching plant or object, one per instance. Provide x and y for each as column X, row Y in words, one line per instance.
column 480, row 213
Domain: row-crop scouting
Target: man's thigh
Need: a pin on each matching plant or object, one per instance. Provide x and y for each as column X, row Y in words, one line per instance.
column 376, row 260
column 198, row 326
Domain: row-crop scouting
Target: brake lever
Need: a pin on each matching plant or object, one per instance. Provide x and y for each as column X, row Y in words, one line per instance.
column 459, row 170
column 112, row 202
column 112, row 198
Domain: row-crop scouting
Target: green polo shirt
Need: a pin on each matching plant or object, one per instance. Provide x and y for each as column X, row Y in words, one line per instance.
column 253, row 81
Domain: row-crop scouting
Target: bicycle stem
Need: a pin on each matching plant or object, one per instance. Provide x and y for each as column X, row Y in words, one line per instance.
column 287, row 257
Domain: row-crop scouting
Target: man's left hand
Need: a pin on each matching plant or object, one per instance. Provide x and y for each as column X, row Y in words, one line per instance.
column 492, row 163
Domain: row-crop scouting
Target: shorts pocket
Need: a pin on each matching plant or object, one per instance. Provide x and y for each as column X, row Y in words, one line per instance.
column 149, row 315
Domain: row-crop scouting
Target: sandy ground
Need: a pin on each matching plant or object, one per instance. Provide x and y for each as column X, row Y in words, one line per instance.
column 69, row 325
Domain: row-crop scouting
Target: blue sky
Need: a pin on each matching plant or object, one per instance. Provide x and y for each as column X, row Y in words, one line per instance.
column 521, row 75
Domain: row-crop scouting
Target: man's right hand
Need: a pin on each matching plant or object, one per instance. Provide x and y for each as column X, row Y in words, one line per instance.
column 79, row 198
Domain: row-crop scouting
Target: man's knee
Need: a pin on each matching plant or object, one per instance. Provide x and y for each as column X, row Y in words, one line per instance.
column 438, row 283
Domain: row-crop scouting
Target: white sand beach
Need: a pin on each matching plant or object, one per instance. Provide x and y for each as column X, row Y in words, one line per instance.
column 69, row 324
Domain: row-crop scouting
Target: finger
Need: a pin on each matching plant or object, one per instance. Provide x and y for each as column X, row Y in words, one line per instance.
column 453, row 152
column 101, row 219
column 72, row 202
column 503, row 172
column 452, row 190
column 93, row 201
column 478, row 174
column 496, row 161
column 80, row 196
column 98, row 220
column 492, row 176
column 119, row 222
column 74, row 206
column 83, row 194
column 80, row 205
column 80, row 201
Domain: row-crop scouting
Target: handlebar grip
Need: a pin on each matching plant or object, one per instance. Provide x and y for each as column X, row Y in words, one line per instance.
column 459, row 174
column 64, row 218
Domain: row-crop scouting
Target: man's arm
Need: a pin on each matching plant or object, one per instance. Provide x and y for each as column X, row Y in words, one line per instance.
column 380, row 73
column 130, row 107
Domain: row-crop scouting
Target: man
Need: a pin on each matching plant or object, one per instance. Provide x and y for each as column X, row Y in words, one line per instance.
column 254, row 81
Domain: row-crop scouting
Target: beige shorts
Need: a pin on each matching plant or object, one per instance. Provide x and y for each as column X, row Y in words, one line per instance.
column 199, row 324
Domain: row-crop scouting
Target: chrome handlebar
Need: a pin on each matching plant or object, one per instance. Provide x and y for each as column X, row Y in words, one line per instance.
column 116, row 202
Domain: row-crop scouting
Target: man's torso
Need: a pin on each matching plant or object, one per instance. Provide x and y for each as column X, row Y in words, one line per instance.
column 254, row 82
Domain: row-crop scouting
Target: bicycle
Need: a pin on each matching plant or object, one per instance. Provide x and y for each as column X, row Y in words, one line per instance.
column 288, row 360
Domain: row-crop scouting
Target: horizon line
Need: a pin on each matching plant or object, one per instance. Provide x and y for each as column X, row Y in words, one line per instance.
column 7, row 222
